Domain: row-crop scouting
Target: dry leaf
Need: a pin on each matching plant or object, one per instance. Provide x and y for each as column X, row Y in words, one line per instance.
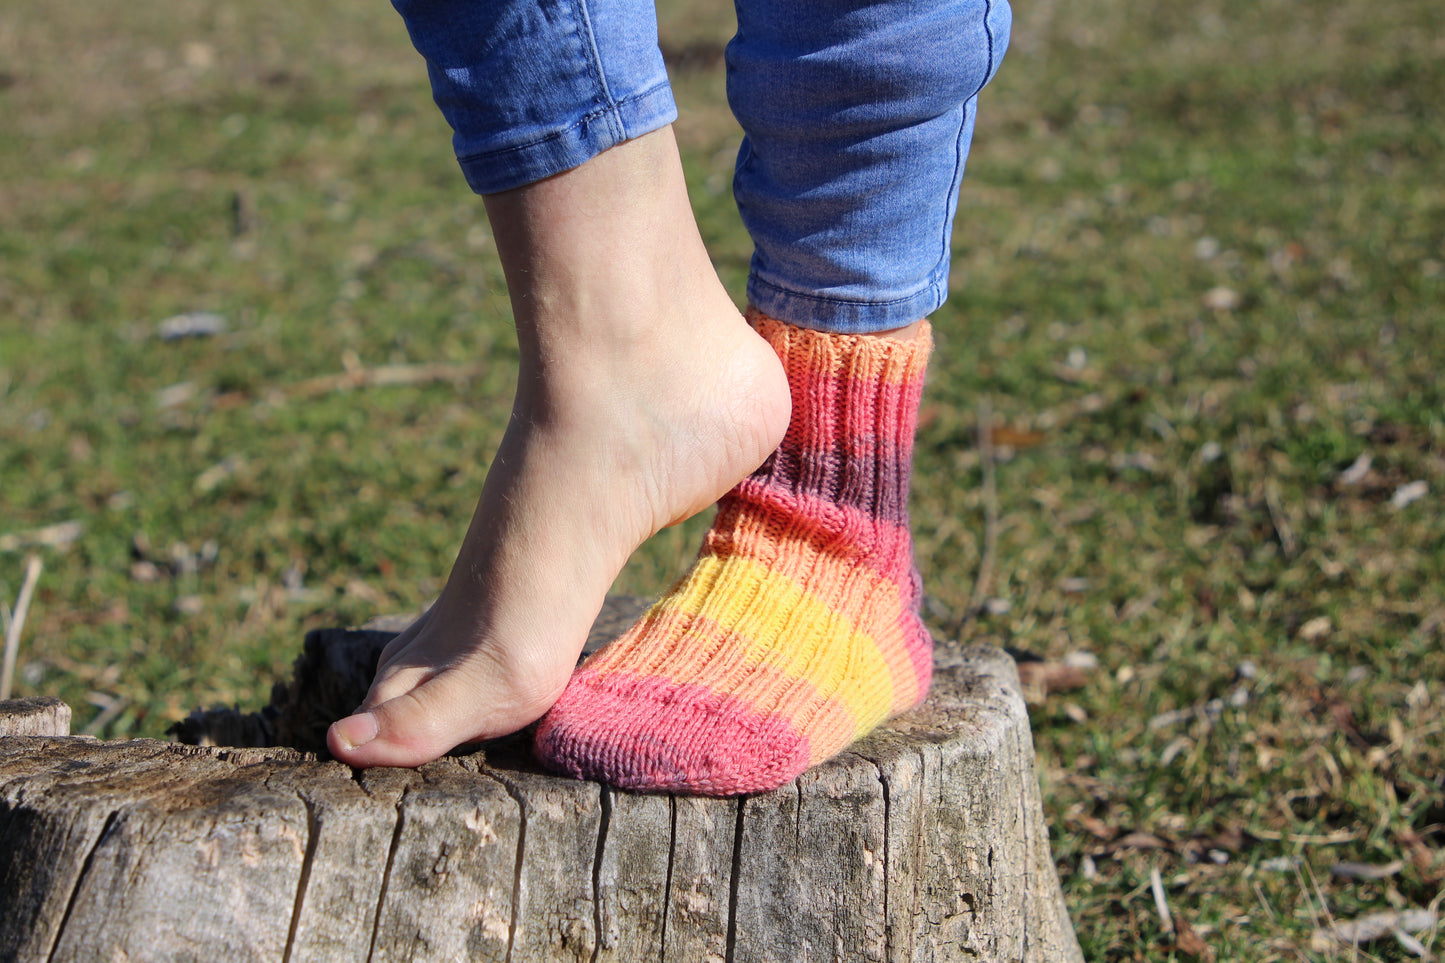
column 1409, row 493
column 1357, row 471
column 1003, row 435
column 1096, row 827
column 1372, row 927
column 193, row 324
column 1221, row 299
column 1051, row 677
column 1190, row 943
column 1138, row 840
column 1428, row 863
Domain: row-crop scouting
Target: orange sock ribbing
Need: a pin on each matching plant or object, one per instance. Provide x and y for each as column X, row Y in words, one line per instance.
column 796, row 630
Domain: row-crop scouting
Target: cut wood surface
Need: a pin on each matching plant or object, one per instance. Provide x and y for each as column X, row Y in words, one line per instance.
column 924, row 842
column 34, row 717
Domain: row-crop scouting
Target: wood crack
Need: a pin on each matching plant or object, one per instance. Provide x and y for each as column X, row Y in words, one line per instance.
column 605, row 796
column 735, row 878
column 887, row 862
column 79, row 882
column 798, row 815
column 313, row 833
column 521, row 802
column 386, row 876
column 667, row 886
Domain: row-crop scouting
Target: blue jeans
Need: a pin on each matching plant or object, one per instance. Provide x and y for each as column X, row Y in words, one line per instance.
column 857, row 116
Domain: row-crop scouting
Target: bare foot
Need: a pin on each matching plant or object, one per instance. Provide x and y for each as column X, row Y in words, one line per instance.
column 642, row 397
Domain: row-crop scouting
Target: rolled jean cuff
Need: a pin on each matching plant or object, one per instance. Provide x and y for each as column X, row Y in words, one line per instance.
column 837, row 315
column 512, row 167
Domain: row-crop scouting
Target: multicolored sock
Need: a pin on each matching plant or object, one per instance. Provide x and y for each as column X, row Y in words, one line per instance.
column 796, row 630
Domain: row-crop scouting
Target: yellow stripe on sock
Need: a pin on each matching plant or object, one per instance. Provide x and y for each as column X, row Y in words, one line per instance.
column 803, row 562
column 786, row 627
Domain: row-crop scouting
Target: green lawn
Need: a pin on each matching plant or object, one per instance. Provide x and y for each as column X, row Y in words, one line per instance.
column 1198, row 293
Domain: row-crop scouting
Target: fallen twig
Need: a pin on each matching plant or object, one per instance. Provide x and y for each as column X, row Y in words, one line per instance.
column 1156, row 886
column 384, row 375
column 108, row 711
column 58, row 535
column 1429, row 624
column 1367, row 870
column 33, row 565
column 1279, row 520
column 1186, row 940
column 1337, row 838
column 1204, row 711
column 984, row 583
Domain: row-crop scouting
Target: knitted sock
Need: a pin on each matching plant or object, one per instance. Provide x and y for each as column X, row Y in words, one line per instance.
column 796, row 630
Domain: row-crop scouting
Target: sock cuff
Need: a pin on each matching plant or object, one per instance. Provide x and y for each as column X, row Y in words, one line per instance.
column 854, row 394
column 865, row 357
column 849, row 443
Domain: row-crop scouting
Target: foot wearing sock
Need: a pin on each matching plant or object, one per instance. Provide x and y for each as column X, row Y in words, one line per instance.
column 796, row 631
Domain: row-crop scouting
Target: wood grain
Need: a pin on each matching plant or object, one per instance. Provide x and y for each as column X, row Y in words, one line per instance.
column 34, row 717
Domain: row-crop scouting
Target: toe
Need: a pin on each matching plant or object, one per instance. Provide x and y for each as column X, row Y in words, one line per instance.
column 409, row 729
column 416, row 716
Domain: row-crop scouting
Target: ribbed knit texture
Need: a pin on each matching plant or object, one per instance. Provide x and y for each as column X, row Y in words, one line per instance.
column 796, row 630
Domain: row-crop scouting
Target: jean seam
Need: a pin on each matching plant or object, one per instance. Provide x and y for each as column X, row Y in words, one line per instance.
column 950, row 209
column 987, row 32
column 611, row 108
column 594, row 66
column 939, row 274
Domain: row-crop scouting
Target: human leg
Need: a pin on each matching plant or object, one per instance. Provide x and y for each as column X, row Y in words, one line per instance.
column 797, row 630
column 642, row 397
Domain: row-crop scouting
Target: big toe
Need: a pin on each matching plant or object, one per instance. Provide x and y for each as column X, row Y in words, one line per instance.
column 408, row 729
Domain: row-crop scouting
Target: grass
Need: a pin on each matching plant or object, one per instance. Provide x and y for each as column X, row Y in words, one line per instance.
column 1199, row 275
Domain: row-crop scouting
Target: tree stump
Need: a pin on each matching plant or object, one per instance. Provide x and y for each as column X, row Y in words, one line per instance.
column 924, row 842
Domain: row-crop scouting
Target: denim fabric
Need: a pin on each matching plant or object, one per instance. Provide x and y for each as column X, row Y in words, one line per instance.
column 532, row 88
column 857, row 117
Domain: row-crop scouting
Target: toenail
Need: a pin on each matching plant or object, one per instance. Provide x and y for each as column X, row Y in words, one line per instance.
column 356, row 731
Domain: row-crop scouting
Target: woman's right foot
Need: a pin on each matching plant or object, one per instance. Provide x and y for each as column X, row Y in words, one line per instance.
column 797, row 629
column 643, row 397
